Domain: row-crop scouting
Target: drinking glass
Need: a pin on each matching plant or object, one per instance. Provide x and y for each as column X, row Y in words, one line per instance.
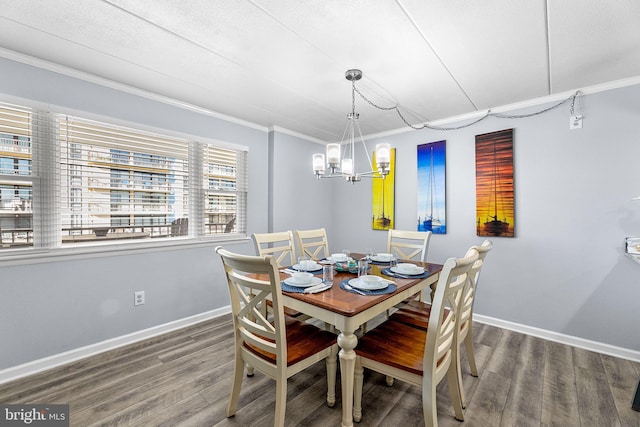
column 347, row 252
column 369, row 252
column 327, row 274
column 393, row 262
column 363, row 266
column 303, row 262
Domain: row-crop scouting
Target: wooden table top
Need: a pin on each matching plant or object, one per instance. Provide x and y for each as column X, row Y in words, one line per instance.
column 349, row 304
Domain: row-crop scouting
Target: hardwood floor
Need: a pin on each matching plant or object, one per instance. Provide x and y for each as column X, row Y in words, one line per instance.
column 183, row 379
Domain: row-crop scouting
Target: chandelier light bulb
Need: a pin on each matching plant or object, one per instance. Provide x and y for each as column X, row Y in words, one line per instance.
column 333, row 155
column 347, row 166
column 318, row 163
column 383, row 153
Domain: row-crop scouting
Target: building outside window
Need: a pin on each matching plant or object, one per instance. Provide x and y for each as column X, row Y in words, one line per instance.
column 115, row 183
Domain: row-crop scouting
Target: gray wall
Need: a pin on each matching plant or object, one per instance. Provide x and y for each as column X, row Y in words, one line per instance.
column 565, row 271
column 299, row 201
column 52, row 307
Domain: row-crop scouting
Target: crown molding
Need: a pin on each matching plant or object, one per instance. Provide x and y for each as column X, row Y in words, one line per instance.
column 296, row 134
column 91, row 78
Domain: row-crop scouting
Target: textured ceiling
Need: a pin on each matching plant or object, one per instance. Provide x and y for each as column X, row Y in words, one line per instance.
column 282, row 62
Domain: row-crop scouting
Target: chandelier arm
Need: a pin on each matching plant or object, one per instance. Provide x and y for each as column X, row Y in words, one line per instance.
column 325, row 176
column 364, row 145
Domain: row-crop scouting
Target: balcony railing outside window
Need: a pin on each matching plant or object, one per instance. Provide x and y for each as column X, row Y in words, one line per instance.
column 115, row 183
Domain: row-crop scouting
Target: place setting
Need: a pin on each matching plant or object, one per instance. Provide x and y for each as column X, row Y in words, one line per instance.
column 344, row 263
column 405, row 270
column 307, row 265
column 367, row 284
column 305, row 282
column 382, row 258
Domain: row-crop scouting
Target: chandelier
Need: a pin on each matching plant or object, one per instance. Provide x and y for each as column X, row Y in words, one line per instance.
column 340, row 158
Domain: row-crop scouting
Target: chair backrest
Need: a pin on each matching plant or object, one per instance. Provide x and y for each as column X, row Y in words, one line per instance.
column 252, row 329
column 312, row 243
column 280, row 245
column 442, row 332
column 466, row 310
column 409, row 244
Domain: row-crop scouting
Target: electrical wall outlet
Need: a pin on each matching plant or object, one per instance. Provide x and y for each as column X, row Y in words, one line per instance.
column 138, row 298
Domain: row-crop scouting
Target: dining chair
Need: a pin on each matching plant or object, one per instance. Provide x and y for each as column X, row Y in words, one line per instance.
column 312, row 243
column 406, row 244
column 279, row 244
column 278, row 347
column 417, row 356
column 417, row 314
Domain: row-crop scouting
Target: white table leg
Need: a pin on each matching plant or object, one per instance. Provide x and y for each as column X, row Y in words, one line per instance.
column 347, row 341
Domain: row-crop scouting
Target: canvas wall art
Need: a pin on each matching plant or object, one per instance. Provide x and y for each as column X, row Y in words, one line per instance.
column 495, row 201
column 383, row 196
column 431, row 187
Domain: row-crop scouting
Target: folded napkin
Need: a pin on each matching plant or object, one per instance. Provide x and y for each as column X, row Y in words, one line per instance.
column 317, row 288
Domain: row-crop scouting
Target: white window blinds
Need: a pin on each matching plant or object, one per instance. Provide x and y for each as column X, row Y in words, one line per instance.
column 120, row 183
column 225, row 189
column 68, row 181
column 16, row 179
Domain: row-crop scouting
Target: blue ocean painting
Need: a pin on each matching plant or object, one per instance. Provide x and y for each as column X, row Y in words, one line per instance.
column 431, row 187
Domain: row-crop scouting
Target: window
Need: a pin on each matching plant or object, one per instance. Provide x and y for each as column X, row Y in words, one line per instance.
column 96, row 182
column 16, row 183
column 225, row 182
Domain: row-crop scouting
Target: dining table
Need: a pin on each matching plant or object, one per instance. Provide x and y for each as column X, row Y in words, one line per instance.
column 347, row 311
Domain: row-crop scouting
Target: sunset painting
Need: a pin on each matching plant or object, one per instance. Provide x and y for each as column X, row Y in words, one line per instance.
column 383, row 196
column 494, row 184
column 431, row 187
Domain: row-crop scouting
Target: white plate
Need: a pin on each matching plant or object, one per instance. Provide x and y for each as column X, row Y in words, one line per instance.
column 358, row 284
column 417, row 271
column 314, row 281
column 315, row 267
column 338, row 260
column 376, row 258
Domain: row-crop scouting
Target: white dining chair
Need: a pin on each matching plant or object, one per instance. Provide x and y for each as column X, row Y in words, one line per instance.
column 417, row 356
column 417, row 314
column 312, row 243
column 405, row 244
column 280, row 346
column 279, row 244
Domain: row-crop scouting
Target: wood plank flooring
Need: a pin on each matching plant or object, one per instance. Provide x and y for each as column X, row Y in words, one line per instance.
column 183, row 379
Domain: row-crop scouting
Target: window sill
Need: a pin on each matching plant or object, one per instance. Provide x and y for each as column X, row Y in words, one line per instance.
column 37, row 256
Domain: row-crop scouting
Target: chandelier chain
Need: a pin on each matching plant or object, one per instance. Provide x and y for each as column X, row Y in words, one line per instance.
column 572, row 98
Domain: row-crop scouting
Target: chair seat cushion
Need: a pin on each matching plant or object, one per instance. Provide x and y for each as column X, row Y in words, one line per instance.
column 303, row 340
column 414, row 313
column 395, row 344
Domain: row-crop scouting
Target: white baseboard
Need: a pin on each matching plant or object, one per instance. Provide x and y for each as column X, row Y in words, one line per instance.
column 49, row 362
column 598, row 347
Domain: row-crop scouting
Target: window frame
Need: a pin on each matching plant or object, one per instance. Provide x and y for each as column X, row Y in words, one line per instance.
column 34, row 253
